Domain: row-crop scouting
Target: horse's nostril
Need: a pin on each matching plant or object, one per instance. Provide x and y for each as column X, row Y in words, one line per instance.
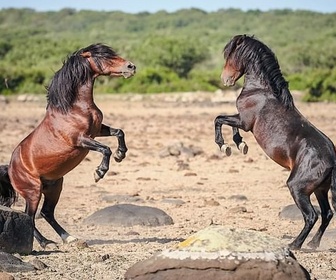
column 131, row 66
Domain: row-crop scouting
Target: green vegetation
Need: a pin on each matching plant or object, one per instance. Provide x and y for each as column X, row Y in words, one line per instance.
column 180, row 51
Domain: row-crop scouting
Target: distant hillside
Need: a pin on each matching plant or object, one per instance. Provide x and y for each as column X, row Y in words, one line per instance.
column 173, row 51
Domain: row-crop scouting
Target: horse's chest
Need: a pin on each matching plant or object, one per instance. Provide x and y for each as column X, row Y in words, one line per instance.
column 95, row 120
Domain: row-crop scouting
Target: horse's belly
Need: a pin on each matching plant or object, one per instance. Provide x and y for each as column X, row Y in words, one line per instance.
column 278, row 153
column 50, row 162
column 60, row 164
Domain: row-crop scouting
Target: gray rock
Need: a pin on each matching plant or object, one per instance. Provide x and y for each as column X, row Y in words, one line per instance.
column 11, row 264
column 129, row 215
column 16, row 231
column 238, row 197
column 222, row 253
column 174, row 201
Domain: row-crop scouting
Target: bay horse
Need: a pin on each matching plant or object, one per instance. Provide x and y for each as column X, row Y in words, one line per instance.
column 266, row 108
column 65, row 136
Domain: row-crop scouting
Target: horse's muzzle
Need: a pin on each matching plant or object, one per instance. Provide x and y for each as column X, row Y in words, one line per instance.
column 128, row 70
column 227, row 80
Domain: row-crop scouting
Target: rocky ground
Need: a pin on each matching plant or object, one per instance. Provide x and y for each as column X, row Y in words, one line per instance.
column 196, row 185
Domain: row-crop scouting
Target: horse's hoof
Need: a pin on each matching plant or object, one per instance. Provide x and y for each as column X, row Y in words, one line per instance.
column 118, row 156
column 312, row 244
column 294, row 246
column 226, row 149
column 243, row 148
column 118, row 159
column 70, row 239
column 97, row 176
column 48, row 243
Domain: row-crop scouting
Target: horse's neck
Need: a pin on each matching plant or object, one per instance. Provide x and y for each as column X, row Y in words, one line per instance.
column 252, row 81
column 84, row 98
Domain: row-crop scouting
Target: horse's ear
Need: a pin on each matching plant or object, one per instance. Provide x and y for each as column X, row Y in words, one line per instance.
column 86, row 54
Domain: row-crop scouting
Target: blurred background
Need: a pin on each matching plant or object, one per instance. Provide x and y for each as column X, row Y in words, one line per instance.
column 177, row 47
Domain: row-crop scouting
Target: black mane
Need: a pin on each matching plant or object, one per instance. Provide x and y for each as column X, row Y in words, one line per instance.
column 256, row 57
column 75, row 72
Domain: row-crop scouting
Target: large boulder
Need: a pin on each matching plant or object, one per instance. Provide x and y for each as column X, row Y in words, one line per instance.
column 16, row 231
column 222, row 253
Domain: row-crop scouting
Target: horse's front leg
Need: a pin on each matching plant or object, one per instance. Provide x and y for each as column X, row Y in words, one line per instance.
column 93, row 145
column 241, row 145
column 235, row 122
column 120, row 153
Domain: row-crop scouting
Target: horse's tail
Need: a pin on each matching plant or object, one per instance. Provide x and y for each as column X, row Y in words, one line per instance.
column 7, row 192
column 333, row 186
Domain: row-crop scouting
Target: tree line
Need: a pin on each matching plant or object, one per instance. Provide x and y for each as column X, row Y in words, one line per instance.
column 179, row 51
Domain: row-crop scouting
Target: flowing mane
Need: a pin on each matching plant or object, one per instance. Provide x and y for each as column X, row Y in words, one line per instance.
column 255, row 57
column 75, row 72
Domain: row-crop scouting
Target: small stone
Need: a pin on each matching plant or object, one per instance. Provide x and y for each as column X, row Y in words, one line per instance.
column 39, row 265
column 238, row 209
column 211, row 202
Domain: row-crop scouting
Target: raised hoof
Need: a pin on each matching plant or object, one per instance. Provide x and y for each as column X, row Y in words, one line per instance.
column 117, row 159
column 98, row 175
column 226, row 149
column 243, row 148
column 118, row 156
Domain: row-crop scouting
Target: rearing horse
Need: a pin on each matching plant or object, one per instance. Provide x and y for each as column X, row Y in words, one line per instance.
column 65, row 136
column 266, row 108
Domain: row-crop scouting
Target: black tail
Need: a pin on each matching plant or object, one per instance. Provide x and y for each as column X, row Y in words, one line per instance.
column 7, row 192
column 333, row 187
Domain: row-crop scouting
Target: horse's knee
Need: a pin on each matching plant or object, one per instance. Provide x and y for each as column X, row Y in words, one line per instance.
column 310, row 218
column 107, row 152
column 328, row 216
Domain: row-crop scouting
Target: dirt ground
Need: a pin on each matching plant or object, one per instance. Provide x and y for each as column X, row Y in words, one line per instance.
column 205, row 183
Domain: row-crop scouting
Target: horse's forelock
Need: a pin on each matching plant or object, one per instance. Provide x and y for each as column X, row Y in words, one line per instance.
column 236, row 42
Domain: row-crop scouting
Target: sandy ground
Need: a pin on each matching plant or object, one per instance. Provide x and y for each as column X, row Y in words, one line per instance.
column 205, row 183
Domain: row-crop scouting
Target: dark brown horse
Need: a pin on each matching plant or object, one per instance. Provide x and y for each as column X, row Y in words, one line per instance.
column 65, row 136
column 265, row 107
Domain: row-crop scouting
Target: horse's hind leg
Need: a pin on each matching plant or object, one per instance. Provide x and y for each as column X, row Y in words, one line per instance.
column 32, row 195
column 303, row 202
column 241, row 145
column 326, row 215
column 52, row 191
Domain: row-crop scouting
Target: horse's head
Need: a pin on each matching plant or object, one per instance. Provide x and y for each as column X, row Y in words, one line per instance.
column 233, row 68
column 104, row 61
